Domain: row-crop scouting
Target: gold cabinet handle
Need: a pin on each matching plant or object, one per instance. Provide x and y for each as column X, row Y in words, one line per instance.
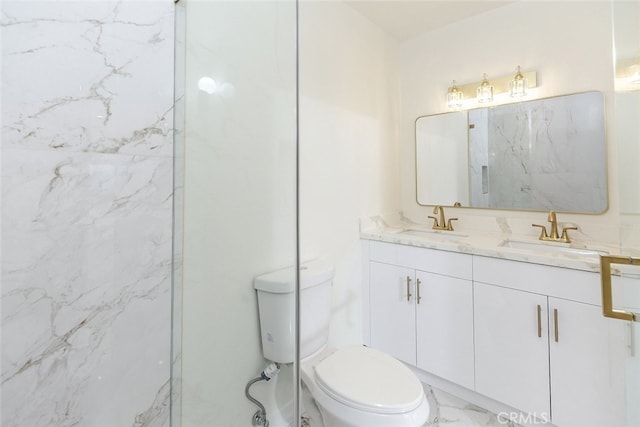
column 555, row 324
column 539, row 321
column 408, row 288
column 418, row 297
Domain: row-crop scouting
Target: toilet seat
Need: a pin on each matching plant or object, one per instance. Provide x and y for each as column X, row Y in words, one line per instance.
column 369, row 380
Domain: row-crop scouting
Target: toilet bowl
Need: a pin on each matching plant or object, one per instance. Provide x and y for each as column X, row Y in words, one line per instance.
column 357, row 386
column 354, row 386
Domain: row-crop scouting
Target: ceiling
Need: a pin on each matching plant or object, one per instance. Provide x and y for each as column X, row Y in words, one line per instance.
column 404, row 19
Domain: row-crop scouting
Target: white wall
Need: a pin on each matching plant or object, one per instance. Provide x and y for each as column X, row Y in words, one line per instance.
column 348, row 145
column 569, row 44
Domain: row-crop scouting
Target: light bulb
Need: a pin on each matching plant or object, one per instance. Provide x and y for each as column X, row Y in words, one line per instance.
column 518, row 86
column 484, row 93
column 454, row 96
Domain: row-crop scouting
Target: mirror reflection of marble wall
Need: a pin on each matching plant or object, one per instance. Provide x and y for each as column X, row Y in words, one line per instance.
column 546, row 153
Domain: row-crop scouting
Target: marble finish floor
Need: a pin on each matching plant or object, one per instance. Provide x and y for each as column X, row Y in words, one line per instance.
column 446, row 411
column 450, row 411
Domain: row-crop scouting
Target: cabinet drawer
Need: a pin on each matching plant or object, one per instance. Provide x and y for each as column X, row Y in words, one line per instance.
column 575, row 285
column 436, row 261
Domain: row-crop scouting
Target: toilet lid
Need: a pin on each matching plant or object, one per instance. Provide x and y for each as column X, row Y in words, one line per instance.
column 370, row 380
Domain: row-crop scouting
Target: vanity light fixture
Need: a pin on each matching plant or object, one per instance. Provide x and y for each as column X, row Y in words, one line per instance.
column 454, row 96
column 485, row 90
column 518, row 85
column 500, row 87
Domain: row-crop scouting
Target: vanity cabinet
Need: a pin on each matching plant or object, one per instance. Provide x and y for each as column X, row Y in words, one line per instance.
column 421, row 309
column 543, row 346
column 528, row 335
column 392, row 320
column 444, row 321
column 512, row 362
column 587, row 366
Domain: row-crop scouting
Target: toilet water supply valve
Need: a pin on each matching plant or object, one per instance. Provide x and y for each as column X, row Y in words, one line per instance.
column 260, row 417
column 270, row 371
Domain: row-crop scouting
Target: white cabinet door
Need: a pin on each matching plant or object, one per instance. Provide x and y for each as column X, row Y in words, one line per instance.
column 511, row 348
column 392, row 311
column 587, row 366
column 444, row 313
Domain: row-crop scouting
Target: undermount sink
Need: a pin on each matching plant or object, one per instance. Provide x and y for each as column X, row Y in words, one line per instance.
column 435, row 234
column 553, row 247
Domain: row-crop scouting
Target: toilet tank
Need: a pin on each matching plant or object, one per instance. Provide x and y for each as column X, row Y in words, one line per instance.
column 276, row 305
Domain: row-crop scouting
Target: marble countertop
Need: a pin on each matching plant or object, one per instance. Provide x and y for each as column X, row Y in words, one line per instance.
column 566, row 255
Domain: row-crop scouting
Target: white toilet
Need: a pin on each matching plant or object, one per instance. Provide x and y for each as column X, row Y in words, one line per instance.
column 354, row 386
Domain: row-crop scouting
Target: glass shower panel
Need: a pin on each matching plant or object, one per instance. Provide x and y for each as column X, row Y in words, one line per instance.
column 178, row 214
column 626, row 36
column 237, row 60
column 626, row 27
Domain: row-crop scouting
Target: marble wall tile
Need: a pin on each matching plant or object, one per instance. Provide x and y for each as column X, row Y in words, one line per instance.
column 86, row 273
column 93, row 76
column 87, row 194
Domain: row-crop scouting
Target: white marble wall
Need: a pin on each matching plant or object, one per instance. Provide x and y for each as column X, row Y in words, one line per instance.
column 87, row 162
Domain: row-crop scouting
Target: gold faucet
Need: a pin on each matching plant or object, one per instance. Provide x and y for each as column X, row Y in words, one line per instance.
column 553, row 230
column 441, row 224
